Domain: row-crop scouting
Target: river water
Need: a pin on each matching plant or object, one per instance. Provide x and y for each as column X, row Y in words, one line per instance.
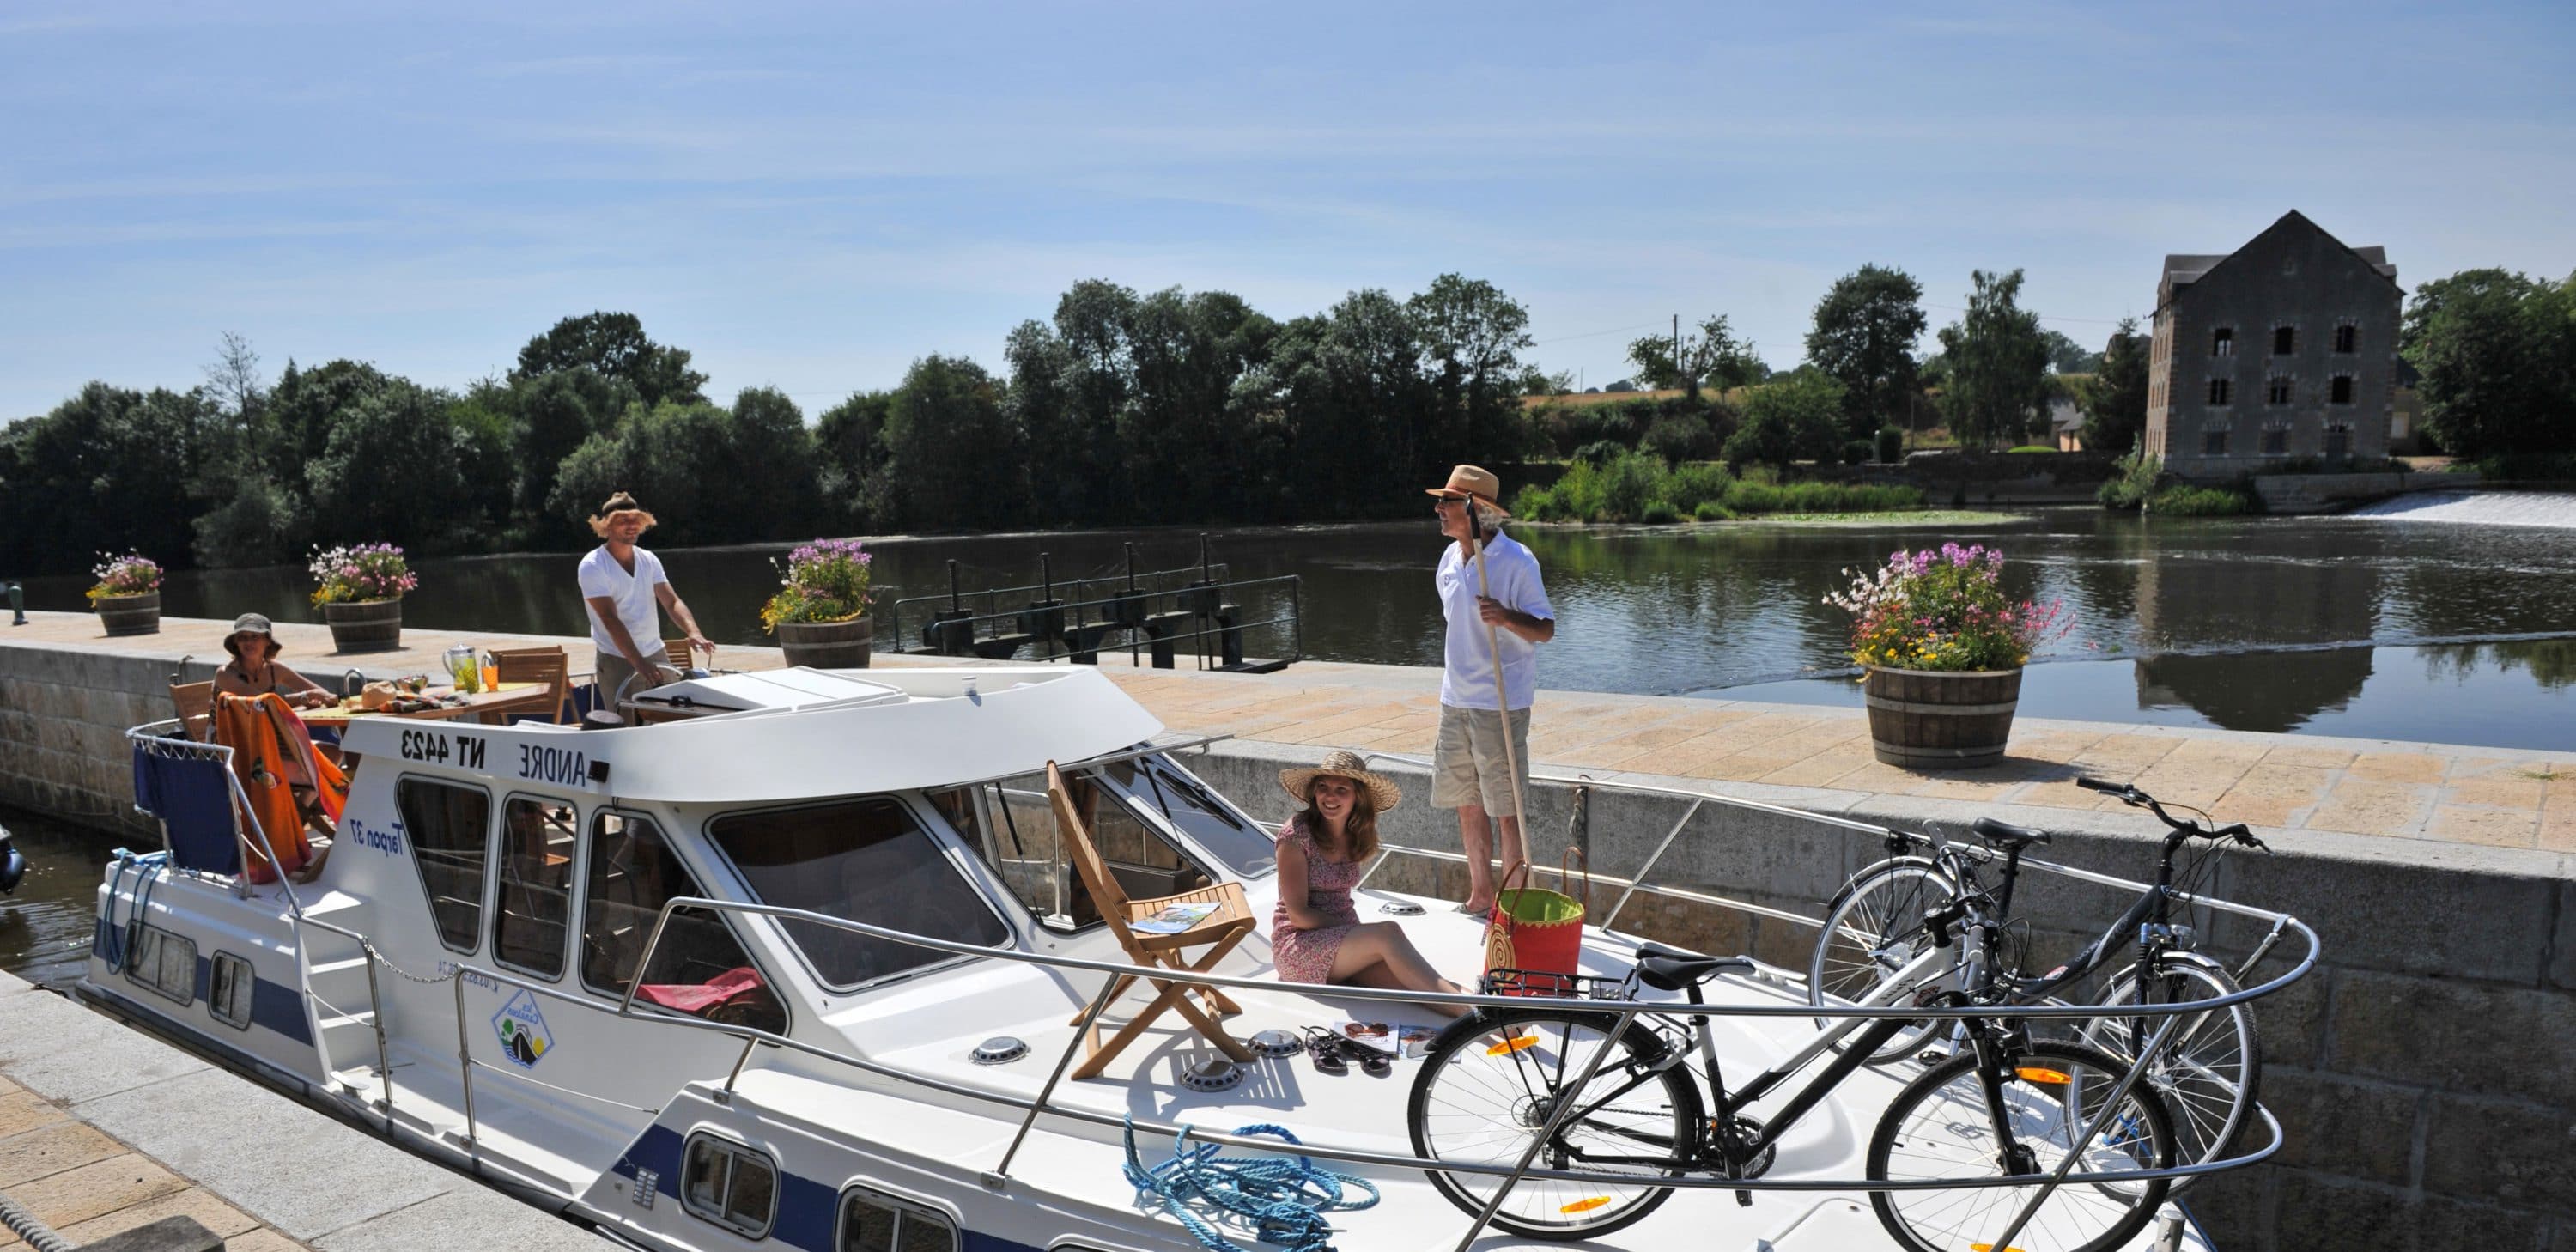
column 2456, row 627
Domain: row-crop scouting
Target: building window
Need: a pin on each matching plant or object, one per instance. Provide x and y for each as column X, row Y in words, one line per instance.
column 2222, row 341
column 2340, row 392
column 2279, row 391
column 731, row 1185
column 2213, row 443
column 876, row 1223
column 2218, row 391
column 2284, row 340
column 2276, row 441
column 228, row 991
column 531, row 918
column 2338, row 441
column 2347, row 338
column 450, row 827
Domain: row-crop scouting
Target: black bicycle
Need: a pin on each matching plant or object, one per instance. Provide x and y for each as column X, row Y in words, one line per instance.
column 1929, row 895
column 1533, row 1082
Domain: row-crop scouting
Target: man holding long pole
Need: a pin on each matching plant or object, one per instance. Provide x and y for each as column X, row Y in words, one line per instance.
column 1498, row 614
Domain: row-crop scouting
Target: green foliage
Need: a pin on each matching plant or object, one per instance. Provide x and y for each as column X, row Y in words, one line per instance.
column 951, row 452
column 1690, row 486
column 1997, row 361
column 1891, row 445
column 1865, row 330
column 1709, row 354
column 2030, row 447
column 2132, row 483
column 2065, row 356
column 1856, row 452
column 1627, row 484
column 108, row 469
column 1599, row 453
column 2527, row 467
column 1659, row 513
column 2115, row 405
column 1679, row 438
column 1795, row 418
column 613, row 345
column 1758, row 497
column 1711, row 511
column 2205, row 502
column 2496, row 353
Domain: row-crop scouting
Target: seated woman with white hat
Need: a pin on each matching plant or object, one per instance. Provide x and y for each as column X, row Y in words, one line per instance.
column 1316, row 934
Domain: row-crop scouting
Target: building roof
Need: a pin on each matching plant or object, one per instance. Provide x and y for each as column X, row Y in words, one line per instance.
column 2182, row 269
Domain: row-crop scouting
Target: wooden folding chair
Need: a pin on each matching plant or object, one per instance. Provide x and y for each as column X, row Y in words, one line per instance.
column 1215, row 935
column 196, row 702
column 548, row 665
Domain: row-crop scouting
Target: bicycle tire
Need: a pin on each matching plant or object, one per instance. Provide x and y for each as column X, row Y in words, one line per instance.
column 1918, row 1139
column 2211, row 1075
column 1849, row 962
column 1489, row 1081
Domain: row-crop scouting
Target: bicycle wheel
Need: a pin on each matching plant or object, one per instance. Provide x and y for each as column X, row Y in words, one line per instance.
column 1938, row 1128
column 1491, row 1081
column 2209, row 1073
column 1873, row 928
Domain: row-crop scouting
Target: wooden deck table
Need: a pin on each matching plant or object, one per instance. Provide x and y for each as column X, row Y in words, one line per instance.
column 488, row 707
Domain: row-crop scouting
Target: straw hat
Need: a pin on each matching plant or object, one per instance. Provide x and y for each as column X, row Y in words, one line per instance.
column 1383, row 794
column 1471, row 482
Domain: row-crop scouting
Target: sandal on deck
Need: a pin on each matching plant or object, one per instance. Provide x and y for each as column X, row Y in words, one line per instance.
column 1376, row 1063
column 1325, row 1047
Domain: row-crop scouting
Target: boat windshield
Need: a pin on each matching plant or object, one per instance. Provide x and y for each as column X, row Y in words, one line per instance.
column 866, row 860
column 1159, row 787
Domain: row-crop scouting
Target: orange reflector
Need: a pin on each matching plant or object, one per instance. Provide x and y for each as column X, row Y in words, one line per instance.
column 2034, row 1073
column 1988, row 1247
column 1585, row 1206
column 1509, row 1046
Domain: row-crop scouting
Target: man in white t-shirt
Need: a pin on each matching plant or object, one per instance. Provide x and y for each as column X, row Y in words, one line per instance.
column 622, row 584
column 1470, row 768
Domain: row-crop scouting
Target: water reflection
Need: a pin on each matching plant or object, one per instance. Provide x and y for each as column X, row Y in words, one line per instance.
column 2276, row 692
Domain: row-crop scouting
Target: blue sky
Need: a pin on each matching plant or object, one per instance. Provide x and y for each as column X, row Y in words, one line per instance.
column 811, row 197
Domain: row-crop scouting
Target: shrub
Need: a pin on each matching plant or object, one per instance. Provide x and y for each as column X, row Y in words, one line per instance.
column 2204, row 502
column 1944, row 610
column 1857, row 452
column 1680, row 438
column 132, row 574
column 1537, row 504
column 1599, row 452
column 2133, row 480
column 1658, row 513
column 366, row 571
column 2506, row 466
column 1627, row 484
column 1891, row 445
column 1712, row 511
column 823, row 581
column 1690, row 486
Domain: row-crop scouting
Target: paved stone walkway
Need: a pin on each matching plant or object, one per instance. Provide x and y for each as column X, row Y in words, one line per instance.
column 2494, row 797
column 88, row 1185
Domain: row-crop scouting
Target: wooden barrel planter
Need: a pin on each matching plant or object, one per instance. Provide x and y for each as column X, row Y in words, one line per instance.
column 130, row 615
column 1921, row 719
column 828, row 645
column 364, row 625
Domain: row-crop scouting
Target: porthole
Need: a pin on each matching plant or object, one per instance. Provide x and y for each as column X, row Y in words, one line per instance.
column 730, row 1185
column 229, row 990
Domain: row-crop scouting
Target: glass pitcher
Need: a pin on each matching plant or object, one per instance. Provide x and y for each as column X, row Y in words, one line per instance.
column 464, row 668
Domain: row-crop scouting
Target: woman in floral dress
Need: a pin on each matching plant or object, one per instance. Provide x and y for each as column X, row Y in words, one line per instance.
column 1315, row 934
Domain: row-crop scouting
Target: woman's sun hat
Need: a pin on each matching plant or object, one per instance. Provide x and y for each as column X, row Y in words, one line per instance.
column 1340, row 763
column 251, row 624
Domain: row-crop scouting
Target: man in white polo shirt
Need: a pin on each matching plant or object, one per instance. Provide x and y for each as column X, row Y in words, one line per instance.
column 622, row 584
column 1470, row 769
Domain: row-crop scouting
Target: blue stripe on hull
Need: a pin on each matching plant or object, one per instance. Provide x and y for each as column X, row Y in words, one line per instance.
column 807, row 1208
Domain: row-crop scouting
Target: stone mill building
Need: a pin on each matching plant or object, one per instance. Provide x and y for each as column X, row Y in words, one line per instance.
column 2285, row 349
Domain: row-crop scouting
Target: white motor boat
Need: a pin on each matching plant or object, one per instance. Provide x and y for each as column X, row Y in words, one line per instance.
column 802, row 963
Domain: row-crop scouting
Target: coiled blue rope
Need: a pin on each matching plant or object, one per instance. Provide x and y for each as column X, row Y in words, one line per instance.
column 1283, row 1199
column 116, row 944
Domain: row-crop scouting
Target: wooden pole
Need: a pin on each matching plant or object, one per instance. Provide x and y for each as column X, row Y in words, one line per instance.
column 1502, row 695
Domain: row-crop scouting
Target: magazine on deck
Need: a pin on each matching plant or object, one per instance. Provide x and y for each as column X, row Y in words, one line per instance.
column 1404, row 1039
column 1173, row 919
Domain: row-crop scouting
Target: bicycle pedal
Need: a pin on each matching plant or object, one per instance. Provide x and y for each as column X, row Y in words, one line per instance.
column 1931, row 1056
column 1744, row 1199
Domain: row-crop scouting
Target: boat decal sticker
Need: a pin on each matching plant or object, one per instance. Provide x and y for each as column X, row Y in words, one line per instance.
column 439, row 747
column 560, row 766
column 522, row 1030
column 387, row 840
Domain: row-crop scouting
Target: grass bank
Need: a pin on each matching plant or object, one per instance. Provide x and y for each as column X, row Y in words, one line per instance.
column 1635, row 487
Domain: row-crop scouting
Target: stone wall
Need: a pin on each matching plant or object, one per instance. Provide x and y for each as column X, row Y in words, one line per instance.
column 2424, row 1074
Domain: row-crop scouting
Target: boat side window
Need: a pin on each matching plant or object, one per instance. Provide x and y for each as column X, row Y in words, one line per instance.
column 731, row 1185
column 164, row 962
column 864, row 860
column 700, row 968
column 229, row 989
column 532, row 915
column 450, row 833
column 872, row 1222
column 1161, row 787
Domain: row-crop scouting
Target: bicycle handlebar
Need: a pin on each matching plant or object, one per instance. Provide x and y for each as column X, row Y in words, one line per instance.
column 2131, row 796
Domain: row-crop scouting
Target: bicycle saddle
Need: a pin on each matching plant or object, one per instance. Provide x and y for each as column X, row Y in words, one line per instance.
column 1671, row 969
column 2007, row 836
